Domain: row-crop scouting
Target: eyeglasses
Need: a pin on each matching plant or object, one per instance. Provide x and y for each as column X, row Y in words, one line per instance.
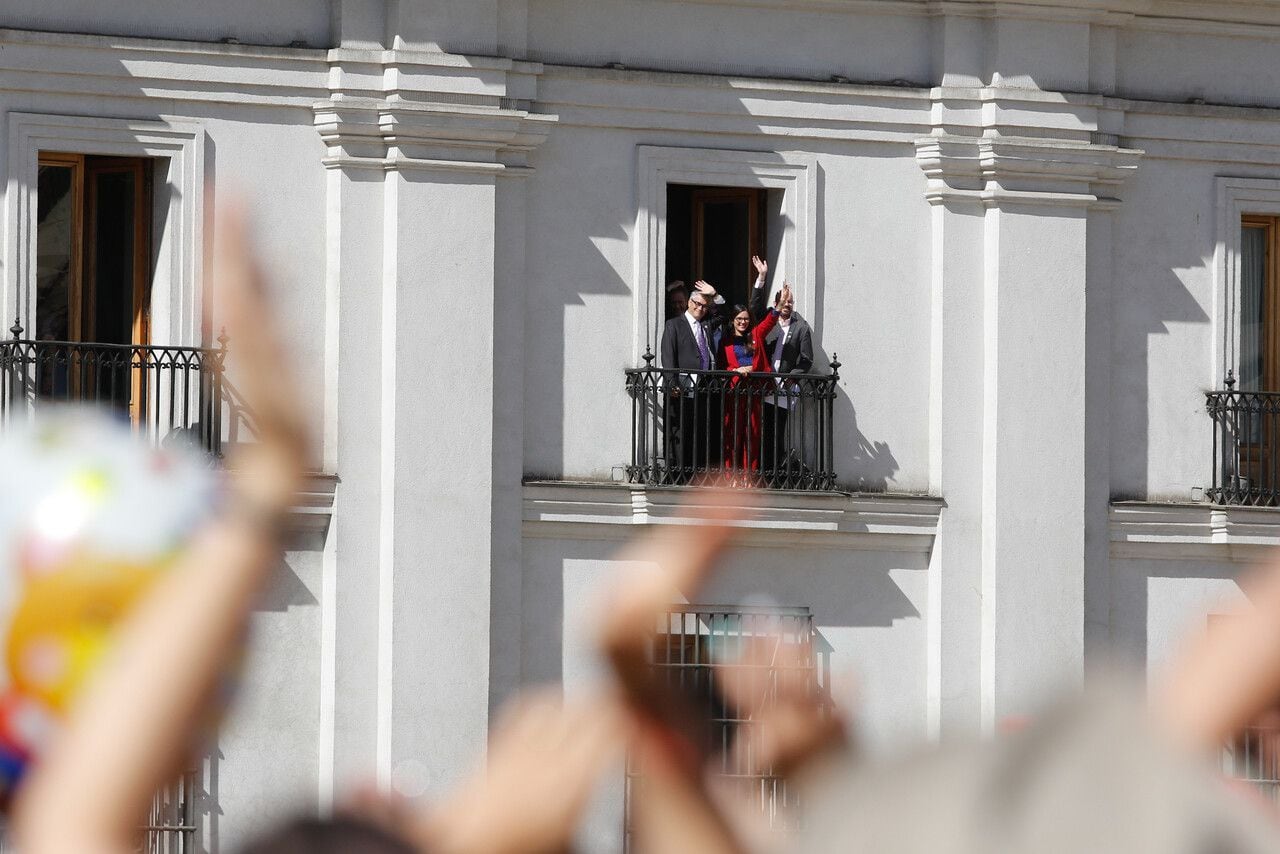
column 698, row 304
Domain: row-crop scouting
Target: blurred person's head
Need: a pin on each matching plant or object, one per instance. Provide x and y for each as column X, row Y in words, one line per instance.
column 677, row 298
column 338, row 835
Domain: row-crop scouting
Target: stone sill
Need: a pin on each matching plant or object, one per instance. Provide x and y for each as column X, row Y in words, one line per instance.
column 1187, row 531
column 600, row 510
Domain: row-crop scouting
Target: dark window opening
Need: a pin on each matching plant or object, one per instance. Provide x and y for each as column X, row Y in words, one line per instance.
column 712, row 232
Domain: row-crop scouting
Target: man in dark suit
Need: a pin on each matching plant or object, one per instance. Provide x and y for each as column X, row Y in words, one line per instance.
column 690, row 342
column 790, row 348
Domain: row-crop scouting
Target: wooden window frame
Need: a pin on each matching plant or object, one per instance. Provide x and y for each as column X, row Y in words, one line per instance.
column 75, row 295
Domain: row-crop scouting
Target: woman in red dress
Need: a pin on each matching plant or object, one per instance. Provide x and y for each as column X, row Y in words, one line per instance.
column 744, row 352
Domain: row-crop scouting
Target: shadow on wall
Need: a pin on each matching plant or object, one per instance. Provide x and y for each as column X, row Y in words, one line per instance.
column 208, row 810
column 838, row 593
column 1146, row 303
column 843, row 590
column 285, row 589
column 871, row 464
column 862, row 464
column 1131, row 616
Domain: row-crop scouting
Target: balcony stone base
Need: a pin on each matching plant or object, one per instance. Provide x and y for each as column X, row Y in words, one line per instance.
column 828, row 520
column 1193, row 532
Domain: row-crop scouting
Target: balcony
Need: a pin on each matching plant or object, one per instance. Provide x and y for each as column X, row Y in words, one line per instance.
column 769, row 431
column 1246, row 446
column 165, row 392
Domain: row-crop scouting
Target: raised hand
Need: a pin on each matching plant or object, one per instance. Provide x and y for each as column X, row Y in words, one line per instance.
column 761, row 265
column 543, row 762
column 705, row 289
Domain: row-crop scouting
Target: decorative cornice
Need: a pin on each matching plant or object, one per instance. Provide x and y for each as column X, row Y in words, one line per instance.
column 313, row 504
column 1142, row 529
column 611, row 511
column 401, row 110
column 1007, row 171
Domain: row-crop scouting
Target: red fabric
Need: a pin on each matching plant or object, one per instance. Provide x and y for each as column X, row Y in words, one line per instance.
column 742, row 413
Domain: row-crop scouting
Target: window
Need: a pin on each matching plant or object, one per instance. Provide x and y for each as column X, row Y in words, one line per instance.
column 695, row 648
column 93, row 270
column 92, row 249
column 1247, row 412
column 789, row 233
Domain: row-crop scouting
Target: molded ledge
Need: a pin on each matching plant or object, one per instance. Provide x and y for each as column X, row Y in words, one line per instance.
column 1149, row 530
column 313, row 504
column 610, row 511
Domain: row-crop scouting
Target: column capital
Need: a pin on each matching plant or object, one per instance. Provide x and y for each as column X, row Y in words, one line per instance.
column 404, row 110
column 1005, row 171
column 1000, row 146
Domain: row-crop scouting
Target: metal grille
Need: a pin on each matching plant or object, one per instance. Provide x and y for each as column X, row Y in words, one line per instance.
column 162, row 390
column 171, row 824
column 1254, row 757
column 762, row 430
column 1246, row 446
column 694, row 649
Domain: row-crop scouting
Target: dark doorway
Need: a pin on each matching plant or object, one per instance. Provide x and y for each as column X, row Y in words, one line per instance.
column 712, row 232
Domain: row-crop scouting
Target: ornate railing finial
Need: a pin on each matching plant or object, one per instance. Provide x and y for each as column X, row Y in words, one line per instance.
column 648, row 357
column 222, row 338
column 1231, row 379
column 835, row 366
column 16, row 329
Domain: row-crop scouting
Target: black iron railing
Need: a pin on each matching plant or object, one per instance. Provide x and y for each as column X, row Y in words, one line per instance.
column 163, row 391
column 171, row 822
column 695, row 651
column 1254, row 757
column 1246, row 446
column 714, row 427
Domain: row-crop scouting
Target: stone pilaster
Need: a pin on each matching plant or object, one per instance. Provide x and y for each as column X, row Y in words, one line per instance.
column 422, row 230
column 1016, row 225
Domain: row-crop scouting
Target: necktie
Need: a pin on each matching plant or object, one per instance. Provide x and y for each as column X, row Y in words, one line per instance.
column 704, row 353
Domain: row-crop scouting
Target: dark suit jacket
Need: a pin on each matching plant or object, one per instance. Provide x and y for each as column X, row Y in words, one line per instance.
column 797, row 353
column 679, row 349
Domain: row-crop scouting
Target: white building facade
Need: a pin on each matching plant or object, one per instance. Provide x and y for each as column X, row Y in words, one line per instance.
column 1023, row 228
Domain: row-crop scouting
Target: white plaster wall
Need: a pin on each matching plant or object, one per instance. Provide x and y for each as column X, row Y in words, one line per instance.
column 279, row 22
column 265, row 763
column 868, row 608
column 1228, row 68
column 872, row 289
column 1166, row 304
column 1162, row 331
column 777, row 41
column 1158, row 605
